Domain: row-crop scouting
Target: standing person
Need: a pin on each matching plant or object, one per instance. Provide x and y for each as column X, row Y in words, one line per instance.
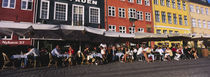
column 32, row 52
column 194, row 53
column 113, row 53
column 103, row 52
column 173, row 49
column 135, row 53
column 71, row 55
column 86, row 55
column 140, row 53
column 168, row 54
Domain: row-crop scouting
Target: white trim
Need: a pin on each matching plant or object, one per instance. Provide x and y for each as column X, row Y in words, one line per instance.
column 5, row 37
column 26, row 9
column 83, row 22
column 159, row 26
column 47, row 9
column 9, row 4
column 98, row 14
column 24, row 38
column 66, row 10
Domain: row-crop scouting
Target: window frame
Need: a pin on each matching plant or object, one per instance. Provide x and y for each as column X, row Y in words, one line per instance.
column 98, row 15
column 8, row 4
column 48, row 10
column 66, row 15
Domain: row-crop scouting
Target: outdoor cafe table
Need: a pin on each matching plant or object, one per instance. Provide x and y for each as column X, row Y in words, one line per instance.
column 97, row 55
column 19, row 57
column 63, row 55
column 119, row 55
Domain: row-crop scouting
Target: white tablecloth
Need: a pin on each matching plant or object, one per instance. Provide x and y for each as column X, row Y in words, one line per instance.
column 63, row 55
column 119, row 54
column 18, row 56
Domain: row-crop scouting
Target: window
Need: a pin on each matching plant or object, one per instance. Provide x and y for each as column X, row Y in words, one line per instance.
column 148, row 16
column 122, row 29
column 111, row 11
column 9, row 37
column 23, row 38
column 197, row 9
column 169, row 18
column 112, row 28
column 162, row 2
column 94, row 15
column 180, row 19
column 176, row 32
column 173, row 4
column 202, row 10
column 122, row 12
column 131, row 30
column 132, row 1
column 141, row 30
column 139, row 15
column 158, row 31
column 193, row 22
column 185, row 20
column 149, row 29
column 184, row 5
column 207, row 11
column 199, row 23
column 156, row 2
column 163, row 17
column 175, row 18
column 208, row 24
column 157, row 16
column 204, row 24
column 178, row 4
column 26, row 4
column 147, row 3
column 60, row 11
column 164, row 31
column 139, row 2
column 8, row 3
column 132, row 13
column 44, row 9
column 191, row 8
column 170, row 31
column 78, row 15
column 168, row 3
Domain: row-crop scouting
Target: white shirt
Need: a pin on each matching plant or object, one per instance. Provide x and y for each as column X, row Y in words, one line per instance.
column 135, row 50
column 140, row 50
column 33, row 51
column 55, row 52
column 160, row 51
column 102, row 51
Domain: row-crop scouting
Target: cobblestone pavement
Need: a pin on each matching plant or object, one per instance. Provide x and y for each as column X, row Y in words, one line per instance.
column 184, row 68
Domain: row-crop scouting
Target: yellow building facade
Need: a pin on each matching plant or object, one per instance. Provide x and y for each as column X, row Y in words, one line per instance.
column 199, row 18
column 171, row 16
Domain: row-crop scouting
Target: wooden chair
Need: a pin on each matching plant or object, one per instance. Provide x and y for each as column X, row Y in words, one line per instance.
column 6, row 60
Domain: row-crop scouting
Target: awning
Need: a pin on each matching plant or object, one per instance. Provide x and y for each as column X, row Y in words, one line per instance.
column 118, row 34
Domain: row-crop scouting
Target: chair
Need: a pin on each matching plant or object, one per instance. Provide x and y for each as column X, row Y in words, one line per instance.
column 6, row 60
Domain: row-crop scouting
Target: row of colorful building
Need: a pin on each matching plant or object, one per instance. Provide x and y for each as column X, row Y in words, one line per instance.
column 125, row 16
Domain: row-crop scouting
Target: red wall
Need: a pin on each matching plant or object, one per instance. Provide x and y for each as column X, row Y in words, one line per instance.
column 17, row 15
column 125, row 21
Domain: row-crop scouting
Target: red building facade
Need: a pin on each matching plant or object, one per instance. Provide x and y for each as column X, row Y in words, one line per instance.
column 129, row 16
column 17, row 10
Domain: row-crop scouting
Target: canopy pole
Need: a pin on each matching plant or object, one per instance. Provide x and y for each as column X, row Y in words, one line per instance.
column 38, row 44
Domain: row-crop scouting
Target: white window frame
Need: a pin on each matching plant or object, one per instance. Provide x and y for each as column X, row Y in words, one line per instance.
column 98, row 14
column 139, row 15
column 139, row 2
column 158, row 31
column 165, row 31
column 193, row 22
column 192, row 8
column 169, row 18
column 156, row 2
column 113, row 28
column 173, row 4
column 132, row 30
column 199, row 23
column 8, row 4
column 202, row 10
column 147, row 15
column 204, row 24
column 184, row 5
column 197, row 10
column 147, row 2
column 208, row 24
column 26, row 5
column 179, row 4
column 180, row 20
column 162, row 2
column 185, row 20
column 207, row 11
column 131, row 1
column 168, row 3
column 141, row 30
column 132, row 11
column 82, row 15
column 66, row 10
column 175, row 19
column 5, row 37
column 122, row 29
column 163, row 15
column 24, row 38
column 112, row 10
column 157, row 16
column 47, row 9
column 121, row 12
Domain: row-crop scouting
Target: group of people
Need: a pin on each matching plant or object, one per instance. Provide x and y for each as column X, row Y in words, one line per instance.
column 107, row 54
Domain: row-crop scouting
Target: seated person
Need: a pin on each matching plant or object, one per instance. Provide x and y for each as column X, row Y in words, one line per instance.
column 140, row 53
column 148, row 51
column 179, row 52
column 168, row 54
column 194, row 53
column 159, row 52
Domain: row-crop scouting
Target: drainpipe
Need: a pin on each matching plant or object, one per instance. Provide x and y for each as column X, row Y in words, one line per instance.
column 107, row 15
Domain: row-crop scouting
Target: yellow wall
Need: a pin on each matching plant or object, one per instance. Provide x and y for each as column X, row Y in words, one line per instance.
column 200, row 16
column 182, row 29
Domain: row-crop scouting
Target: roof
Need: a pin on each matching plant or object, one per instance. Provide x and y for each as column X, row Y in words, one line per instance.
column 202, row 2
